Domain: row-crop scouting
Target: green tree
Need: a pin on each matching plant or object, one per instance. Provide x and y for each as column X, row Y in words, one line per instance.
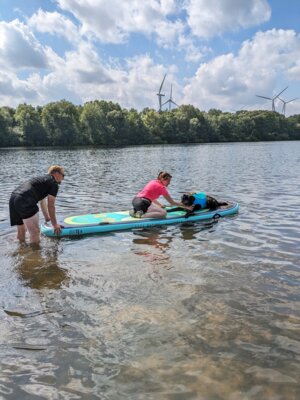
column 227, row 128
column 29, row 124
column 137, row 132
column 8, row 133
column 93, row 122
column 105, row 123
column 61, row 123
column 154, row 124
column 117, row 127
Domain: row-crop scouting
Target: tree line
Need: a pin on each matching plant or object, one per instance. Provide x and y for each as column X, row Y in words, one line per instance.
column 104, row 123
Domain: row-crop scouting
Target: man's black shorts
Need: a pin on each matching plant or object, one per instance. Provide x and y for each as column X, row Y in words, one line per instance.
column 21, row 207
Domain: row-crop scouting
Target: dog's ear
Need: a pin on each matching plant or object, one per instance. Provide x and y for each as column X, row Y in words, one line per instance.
column 184, row 198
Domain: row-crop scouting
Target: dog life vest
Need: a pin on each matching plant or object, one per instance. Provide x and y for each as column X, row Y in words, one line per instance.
column 200, row 198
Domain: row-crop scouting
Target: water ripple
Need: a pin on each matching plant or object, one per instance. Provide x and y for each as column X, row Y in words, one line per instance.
column 191, row 311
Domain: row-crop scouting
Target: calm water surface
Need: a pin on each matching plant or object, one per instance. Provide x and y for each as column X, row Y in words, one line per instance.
column 194, row 311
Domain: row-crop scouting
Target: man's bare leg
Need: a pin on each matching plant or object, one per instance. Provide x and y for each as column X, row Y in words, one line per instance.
column 33, row 226
column 21, row 232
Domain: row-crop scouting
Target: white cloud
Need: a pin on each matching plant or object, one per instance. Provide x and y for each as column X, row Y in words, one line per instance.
column 261, row 66
column 14, row 91
column 54, row 23
column 143, row 78
column 19, row 48
column 81, row 76
column 169, row 6
column 35, row 73
column 208, row 18
column 294, row 71
column 73, row 77
column 85, row 66
column 112, row 21
column 133, row 85
column 192, row 52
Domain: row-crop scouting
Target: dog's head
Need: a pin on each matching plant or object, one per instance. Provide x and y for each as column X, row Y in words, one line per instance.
column 187, row 199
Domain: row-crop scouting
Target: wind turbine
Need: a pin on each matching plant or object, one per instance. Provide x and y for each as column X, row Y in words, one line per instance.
column 272, row 98
column 160, row 94
column 285, row 103
column 170, row 101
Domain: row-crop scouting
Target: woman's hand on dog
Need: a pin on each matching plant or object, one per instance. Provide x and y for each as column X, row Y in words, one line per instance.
column 189, row 208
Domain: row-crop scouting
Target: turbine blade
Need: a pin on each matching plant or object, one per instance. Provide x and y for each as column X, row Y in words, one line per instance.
column 291, row 100
column 264, row 97
column 162, row 84
column 280, row 92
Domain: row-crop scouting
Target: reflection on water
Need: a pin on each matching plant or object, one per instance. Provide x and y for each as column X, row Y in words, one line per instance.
column 39, row 267
column 192, row 311
column 152, row 246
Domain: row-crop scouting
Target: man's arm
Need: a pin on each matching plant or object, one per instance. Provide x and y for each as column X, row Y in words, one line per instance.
column 52, row 214
column 44, row 209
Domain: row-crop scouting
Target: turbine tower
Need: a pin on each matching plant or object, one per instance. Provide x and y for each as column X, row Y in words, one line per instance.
column 285, row 103
column 160, row 94
column 272, row 98
column 170, row 101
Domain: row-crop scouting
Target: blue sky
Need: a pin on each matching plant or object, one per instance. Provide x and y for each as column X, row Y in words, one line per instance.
column 215, row 53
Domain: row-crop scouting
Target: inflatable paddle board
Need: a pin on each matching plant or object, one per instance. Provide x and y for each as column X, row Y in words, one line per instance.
column 116, row 221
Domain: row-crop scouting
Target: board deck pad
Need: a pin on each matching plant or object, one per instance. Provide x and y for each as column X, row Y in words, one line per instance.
column 78, row 225
column 114, row 217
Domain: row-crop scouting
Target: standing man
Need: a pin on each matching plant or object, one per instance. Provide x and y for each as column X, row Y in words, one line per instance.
column 23, row 204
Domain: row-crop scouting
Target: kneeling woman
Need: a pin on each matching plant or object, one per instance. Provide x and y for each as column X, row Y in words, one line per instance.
column 145, row 204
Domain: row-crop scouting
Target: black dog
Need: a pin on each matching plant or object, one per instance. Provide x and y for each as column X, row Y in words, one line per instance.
column 188, row 199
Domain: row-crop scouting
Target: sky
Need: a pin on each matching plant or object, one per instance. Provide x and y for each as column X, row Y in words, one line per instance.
column 213, row 53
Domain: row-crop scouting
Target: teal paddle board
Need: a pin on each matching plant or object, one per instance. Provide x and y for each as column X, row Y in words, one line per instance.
column 78, row 225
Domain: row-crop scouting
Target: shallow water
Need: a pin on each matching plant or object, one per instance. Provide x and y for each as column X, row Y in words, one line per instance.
column 193, row 311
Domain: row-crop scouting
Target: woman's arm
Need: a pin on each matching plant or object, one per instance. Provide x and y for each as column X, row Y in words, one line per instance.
column 156, row 202
column 176, row 203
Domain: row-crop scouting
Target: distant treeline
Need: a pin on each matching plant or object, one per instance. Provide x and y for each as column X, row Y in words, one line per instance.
column 104, row 123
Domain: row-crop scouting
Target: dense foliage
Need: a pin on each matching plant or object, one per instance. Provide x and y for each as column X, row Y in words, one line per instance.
column 107, row 124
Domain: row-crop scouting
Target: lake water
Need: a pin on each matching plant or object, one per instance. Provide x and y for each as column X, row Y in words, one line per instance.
column 195, row 311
